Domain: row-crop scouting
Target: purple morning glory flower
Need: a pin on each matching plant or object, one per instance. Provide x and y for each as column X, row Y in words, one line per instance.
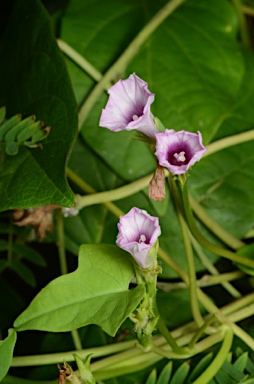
column 128, row 107
column 138, row 233
column 178, row 151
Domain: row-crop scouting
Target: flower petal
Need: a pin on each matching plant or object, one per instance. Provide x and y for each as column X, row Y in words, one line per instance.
column 138, row 233
column 178, row 151
column 128, row 107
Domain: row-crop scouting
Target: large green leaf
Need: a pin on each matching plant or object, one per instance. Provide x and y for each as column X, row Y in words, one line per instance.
column 34, row 80
column 224, row 183
column 96, row 293
column 6, row 351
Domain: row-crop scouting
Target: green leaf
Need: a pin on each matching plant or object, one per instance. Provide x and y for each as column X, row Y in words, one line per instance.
column 152, row 377
column 229, row 374
column 34, row 80
column 200, row 367
column 241, row 362
column 165, row 373
column 6, row 351
column 96, row 293
column 225, row 189
column 181, row 374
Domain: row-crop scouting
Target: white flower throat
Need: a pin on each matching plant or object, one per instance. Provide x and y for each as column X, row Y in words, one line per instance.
column 142, row 239
column 180, row 156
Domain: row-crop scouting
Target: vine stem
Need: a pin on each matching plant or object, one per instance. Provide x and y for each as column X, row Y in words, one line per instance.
column 204, row 281
column 218, row 361
column 64, row 268
column 242, row 23
column 122, row 62
column 206, row 302
column 189, row 255
column 248, row 10
column 126, row 350
column 229, row 142
column 203, row 241
column 169, row 338
column 199, row 347
column 213, row 226
column 112, row 195
column 213, row 270
column 80, row 60
column 88, row 189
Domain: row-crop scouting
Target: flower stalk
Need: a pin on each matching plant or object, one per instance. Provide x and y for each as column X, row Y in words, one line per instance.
column 189, row 256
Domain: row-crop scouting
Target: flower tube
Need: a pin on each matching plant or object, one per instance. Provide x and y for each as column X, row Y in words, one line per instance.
column 138, row 234
column 178, row 151
column 128, row 107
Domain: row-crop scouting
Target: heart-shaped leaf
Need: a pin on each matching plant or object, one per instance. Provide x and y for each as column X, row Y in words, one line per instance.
column 96, row 293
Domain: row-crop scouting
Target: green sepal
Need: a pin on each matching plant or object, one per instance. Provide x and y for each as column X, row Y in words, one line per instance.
column 14, row 131
column 159, row 124
column 86, row 376
column 12, row 148
column 28, row 132
column 5, row 127
column 40, row 135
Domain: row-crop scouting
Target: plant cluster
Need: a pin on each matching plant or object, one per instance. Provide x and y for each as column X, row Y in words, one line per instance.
column 139, row 267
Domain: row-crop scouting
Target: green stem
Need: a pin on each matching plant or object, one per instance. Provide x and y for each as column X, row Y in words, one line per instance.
column 206, row 302
column 218, row 361
column 10, row 241
column 211, row 268
column 54, row 358
column 238, row 304
column 80, row 60
column 248, row 10
column 64, row 267
column 128, row 346
column 199, row 347
column 122, row 62
column 204, row 281
column 115, row 194
column 214, row 227
column 189, row 256
column 192, row 272
column 201, row 330
column 203, row 241
column 168, row 336
column 60, row 242
column 229, row 142
column 242, row 24
column 88, row 189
